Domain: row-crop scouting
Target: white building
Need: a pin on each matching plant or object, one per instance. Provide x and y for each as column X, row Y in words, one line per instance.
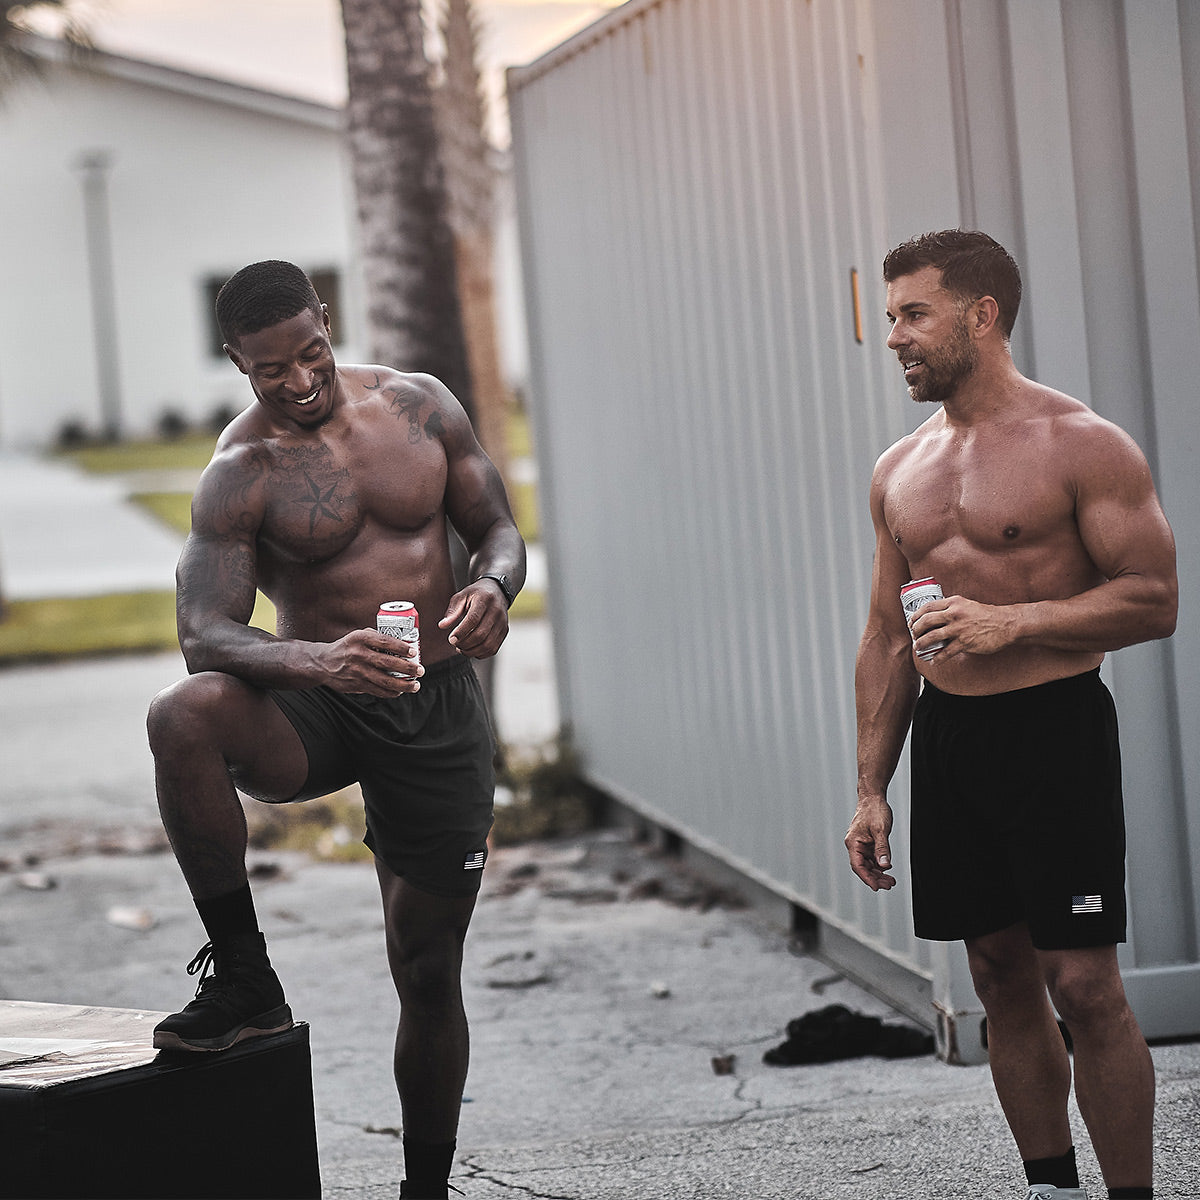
column 129, row 192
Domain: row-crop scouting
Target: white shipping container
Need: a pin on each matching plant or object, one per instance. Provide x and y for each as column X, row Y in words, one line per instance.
column 704, row 188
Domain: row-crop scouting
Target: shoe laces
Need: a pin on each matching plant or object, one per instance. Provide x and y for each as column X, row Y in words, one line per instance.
column 203, row 962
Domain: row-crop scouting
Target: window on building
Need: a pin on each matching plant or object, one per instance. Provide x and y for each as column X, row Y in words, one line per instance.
column 327, row 281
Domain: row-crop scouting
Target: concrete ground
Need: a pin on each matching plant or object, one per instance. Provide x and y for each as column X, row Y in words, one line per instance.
column 601, row 983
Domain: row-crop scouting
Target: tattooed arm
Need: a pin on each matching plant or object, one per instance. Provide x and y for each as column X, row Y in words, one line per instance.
column 477, row 505
column 216, row 585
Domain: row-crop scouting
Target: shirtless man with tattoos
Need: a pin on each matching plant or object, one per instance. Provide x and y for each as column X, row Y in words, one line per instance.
column 332, row 493
column 1041, row 522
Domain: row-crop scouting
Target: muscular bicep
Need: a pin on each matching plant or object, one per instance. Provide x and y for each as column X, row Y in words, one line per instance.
column 889, row 573
column 475, row 496
column 1120, row 520
column 215, row 578
column 216, row 575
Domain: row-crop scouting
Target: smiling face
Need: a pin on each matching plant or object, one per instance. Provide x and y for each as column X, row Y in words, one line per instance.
column 291, row 369
column 930, row 335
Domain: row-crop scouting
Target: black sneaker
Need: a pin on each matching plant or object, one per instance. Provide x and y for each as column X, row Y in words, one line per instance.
column 431, row 1192
column 241, row 998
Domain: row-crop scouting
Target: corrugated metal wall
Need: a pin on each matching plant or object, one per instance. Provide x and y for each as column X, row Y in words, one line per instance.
column 698, row 180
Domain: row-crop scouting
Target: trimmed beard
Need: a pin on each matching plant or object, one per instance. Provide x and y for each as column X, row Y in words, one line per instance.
column 946, row 369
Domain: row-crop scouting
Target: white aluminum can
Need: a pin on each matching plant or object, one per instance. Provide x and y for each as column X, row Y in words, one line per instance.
column 914, row 595
column 398, row 619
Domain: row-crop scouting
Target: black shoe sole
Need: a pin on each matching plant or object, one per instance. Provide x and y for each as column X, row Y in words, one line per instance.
column 277, row 1020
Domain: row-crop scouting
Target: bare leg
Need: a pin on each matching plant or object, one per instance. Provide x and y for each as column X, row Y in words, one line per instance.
column 206, row 731
column 1114, row 1073
column 1030, row 1067
column 425, row 935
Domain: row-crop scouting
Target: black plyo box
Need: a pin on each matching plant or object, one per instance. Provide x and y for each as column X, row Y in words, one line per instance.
column 89, row 1110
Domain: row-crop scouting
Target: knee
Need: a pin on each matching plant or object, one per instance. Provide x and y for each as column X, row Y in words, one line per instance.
column 429, row 977
column 993, row 985
column 1087, row 1001
column 1004, row 975
column 186, row 711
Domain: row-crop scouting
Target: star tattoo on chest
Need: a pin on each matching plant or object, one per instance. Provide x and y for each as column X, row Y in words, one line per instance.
column 321, row 500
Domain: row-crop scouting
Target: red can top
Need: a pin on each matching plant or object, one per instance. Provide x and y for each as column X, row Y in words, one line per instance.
column 393, row 607
column 916, row 583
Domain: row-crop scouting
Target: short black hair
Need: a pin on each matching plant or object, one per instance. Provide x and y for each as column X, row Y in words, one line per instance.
column 972, row 265
column 261, row 295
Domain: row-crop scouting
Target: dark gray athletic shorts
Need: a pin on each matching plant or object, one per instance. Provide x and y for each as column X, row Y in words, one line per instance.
column 1017, row 815
column 424, row 761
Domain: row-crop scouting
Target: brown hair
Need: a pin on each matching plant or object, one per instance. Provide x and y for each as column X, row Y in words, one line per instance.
column 972, row 265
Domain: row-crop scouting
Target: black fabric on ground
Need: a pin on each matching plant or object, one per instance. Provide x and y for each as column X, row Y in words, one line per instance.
column 836, row 1032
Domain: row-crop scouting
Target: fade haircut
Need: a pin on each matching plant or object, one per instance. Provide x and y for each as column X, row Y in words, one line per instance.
column 972, row 265
column 261, row 295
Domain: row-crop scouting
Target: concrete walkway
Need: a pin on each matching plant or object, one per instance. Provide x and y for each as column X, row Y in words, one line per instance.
column 66, row 533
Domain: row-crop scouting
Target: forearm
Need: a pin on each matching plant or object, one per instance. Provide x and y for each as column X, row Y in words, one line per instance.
column 501, row 550
column 886, row 686
column 1119, row 612
column 217, row 643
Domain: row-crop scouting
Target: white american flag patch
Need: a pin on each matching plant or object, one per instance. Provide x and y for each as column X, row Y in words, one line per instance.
column 474, row 861
column 1086, row 904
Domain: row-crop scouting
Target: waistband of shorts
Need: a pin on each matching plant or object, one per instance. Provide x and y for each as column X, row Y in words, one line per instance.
column 1053, row 691
column 453, row 667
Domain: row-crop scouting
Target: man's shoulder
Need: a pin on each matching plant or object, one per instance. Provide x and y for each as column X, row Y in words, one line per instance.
column 421, row 403
column 388, row 383
column 901, row 450
column 1070, row 420
column 242, row 455
column 244, row 443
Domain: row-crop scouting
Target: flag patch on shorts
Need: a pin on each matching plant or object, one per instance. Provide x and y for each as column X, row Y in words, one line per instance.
column 474, row 861
column 1086, row 904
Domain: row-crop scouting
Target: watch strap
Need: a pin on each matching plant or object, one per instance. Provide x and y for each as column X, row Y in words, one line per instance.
column 503, row 582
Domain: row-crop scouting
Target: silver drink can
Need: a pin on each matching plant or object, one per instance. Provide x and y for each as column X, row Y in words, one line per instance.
column 914, row 595
column 398, row 619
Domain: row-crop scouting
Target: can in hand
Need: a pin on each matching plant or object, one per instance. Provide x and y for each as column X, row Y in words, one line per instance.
column 914, row 595
column 398, row 619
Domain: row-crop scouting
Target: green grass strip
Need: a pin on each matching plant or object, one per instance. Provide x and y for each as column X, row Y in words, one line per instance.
column 172, row 508
column 81, row 625
column 190, row 452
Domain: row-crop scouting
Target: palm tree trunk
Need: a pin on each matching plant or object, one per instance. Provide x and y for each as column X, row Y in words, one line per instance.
column 413, row 314
column 461, row 117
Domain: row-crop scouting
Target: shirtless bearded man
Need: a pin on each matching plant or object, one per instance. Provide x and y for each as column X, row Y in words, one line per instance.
column 332, row 494
column 1041, row 522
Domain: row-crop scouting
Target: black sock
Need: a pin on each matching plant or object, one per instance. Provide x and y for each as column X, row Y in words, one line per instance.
column 227, row 916
column 1131, row 1193
column 1059, row 1172
column 427, row 1164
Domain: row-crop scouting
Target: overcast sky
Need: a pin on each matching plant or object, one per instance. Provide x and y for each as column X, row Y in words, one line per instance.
column 295, row 46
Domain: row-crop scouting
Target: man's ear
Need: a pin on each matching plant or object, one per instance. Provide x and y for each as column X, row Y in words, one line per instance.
column 984, row 316
column 235, row 358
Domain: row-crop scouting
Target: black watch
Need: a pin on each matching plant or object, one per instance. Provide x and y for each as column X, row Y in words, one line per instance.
column 505, row 585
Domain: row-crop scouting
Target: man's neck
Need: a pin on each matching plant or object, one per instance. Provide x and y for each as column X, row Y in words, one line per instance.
column 992, row 389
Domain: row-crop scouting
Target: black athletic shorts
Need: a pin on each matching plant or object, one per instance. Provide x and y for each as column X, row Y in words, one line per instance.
column 1017, row 815
column 424, row 761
